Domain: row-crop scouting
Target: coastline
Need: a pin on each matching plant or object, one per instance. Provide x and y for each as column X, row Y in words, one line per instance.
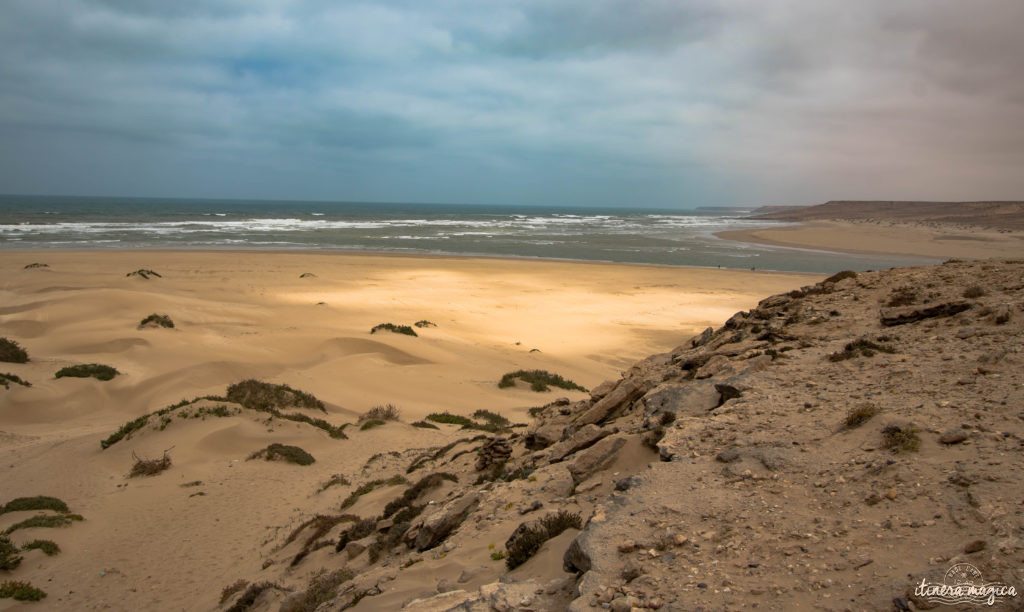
column 877, row 237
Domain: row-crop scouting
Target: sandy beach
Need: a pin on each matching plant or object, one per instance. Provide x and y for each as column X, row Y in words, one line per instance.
column 302, row 319
column 936, row 240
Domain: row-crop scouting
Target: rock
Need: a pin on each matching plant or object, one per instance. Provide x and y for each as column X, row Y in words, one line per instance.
column 543, row 435
column 354, row 548
column 912, row 314
column 511, row 597
column 692, row 398
column 444, row 585
column 703, row 338
column 627, row 546
column 953, row 436
column 713, row 366
column 728, row 455
column 445, row 602
column 576, row 558
column 975, row 546
column 626, row 391
column 433, row 529
column 727, row 392
column 536, row 505
column 596, row 458
column 621, row 604
column 624, row 484
column 470, row 573
column 931, row 576
column 583, row 438
column 385, row 524
column 494, row 452
column 1001, row 315
column 631, row 571
column 602, row 389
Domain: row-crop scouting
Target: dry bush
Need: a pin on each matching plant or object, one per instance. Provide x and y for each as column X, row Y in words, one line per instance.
column 859, row 415
column 386, row 412
column 149, row 467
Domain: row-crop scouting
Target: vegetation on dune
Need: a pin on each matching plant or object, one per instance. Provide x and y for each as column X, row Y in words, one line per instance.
column 527, row 540
column 36, row 265
column 88, row 370
column 410, row 495
column 425, row 425
column 44, row 520
column 235, row 587
column 259, row 395
column 365, row 488
column 424, row 323
column 385, row 412
column 322, row 587
column 283, row 452
column 902, row 296
column 539, row 380
column 901, row 438
column 144, row 273
column 11, row 351
column 9, row 557
column 858, row 415
column 39, row 502
column 7, row 378
column 370, row 424
column 448, row 418
column 391, row 327
column 47, row 546
column 149, row 467
column 251, row 593
column 157, row 320
column 20, row 591
column 491, row 417
column 337, row 479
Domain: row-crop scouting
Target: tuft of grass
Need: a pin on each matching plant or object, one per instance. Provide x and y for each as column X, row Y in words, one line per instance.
column 391, row 327
column 385, row 412
column 358, row 531
column 248, row 597
column 370, row 486
column 9, row 557
column 370, row 424
column 337, row 479
column 862, row 347
column 47, row 546
column 157, row 320
column 448, row 418
column 20, row 591
column 838, row 276
column 901, row 438
column 527, row 540
column 7, row 378
column 235, row 587
column 258, row 395
column 93, row 370
column 902, row 296
column 859, row 415
column 536, row 411
column 39, row 502
column 424, row 323
column 425, row 425
column 144, row 273
column 412, row 493
column 44, row 520
column 32, row 266
column 11, row 352
column 149, row 467
column 497, row 556
column 491, row 417
column 539, row 380
column 322, row 587
column 975, row 291
column 283, row 452
column 560, row 521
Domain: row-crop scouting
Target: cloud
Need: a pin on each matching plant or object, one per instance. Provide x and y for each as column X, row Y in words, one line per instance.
column 548, row 102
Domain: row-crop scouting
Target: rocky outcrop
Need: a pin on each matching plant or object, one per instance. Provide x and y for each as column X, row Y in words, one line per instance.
column 432, row 530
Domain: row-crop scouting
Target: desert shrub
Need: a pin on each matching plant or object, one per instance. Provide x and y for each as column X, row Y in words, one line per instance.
column 412, row 493
column 370, row 424
column 47, row 546
column 11, row 352
column 838, row 276
column 539, row 380
column 9, row 557
column 560, row 521
column 370, row 486
column 437, row 452
column 283, row 452
column 94, row 370
column 44, row 520
column 259, row 395
column 248, row 597
column 144, row 273
column 667, row 418
column 405, row 515
column 32, row 266
column 497, row 556
column 7, row 378
column 424, row 323
column 358, row 531
column 386, row 412
column 491, row 417
column 974, row 292
column 536, row 411
column 901, row 438
column 20, row 591
column 322, row 587
column 157, row 320
column 337, row 479
column 862, row 347
column 149, row 467
column 902, row 296
column 391, row 327
column 859, row 415
column 525, row 545
column 39, row 502
column 321, row 524
column 425, row 425
column 235, row 587
column 451, row 419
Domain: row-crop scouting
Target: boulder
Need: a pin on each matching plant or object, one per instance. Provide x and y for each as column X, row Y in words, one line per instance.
column 584, row 437
column 543, row 435
column 430, row 531
column 911, row 314
column 626, row 391
column 703, row 338
column 692, row 398
column 596, row 458
column 354, row 548
column 445, row 602
column 602, row 389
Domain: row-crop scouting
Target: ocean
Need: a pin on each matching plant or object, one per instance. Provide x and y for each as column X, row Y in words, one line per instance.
column 660, row 237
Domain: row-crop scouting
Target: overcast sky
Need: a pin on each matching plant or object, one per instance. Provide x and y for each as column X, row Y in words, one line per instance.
column 554, row 102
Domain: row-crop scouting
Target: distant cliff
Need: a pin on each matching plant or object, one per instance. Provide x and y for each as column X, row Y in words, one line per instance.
column 998, row 215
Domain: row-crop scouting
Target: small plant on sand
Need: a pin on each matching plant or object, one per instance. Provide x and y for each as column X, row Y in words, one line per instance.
column 370, row 424
column 322, row 587
column 448, row 418
column 424, row 323
column 560, row 521
column 370, row 486
column 411, row 494
column 33, row 266
column 497, row 556
column 386, row 412
column 47, row 546
column 425, row 425
column 527, row 539
column 20, row 591
column 859, row 415
column 336, row 480
column 149, row 467
column 539, row 380
column 144, row 273
column 491, row 417
column 259, row 395
column 358, row 531
column 974, row 292
column 39, row 502
column 391, row 327
column 838, row 276
column 7, row 378
column 902, row 296
column 236, row 587
column 9, row 557
column 283, row 452
column 156, row 320
column 44, row 520
column 250, row 595
column 11, row 352
column 93, row 370
column 901, row 438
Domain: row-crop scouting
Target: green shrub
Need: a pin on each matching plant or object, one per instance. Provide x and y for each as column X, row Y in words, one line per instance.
column 258, row 395
column 7, row 378
column 560, row 521
column 157, row 320
column 391, row 327
column 424, row 323
column 386, row 412
column 425, row 425
column 11, row 352
column 451, row 419
column 370, row 424
column 44, row 520
column 94, row 370
column 283, row 452
column 39, row 502
column 337, row 479
column 149, row 467
column 859, row 415
column 901, row 438
column 497, row 556
column 527, row 539
column 143, row 273
column 491, row 417
column 47, row 546
column 9, row 557
column 20, row 591
column 539, row 380
column 358, row 531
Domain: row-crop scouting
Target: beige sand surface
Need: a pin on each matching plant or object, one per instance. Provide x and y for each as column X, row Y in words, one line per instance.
column 151, row 544
column 884, row 237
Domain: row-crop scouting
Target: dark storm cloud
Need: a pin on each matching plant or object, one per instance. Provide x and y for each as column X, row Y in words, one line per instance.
column 609, row 102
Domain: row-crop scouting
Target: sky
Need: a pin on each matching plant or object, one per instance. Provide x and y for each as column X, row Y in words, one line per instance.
column 537, row 102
